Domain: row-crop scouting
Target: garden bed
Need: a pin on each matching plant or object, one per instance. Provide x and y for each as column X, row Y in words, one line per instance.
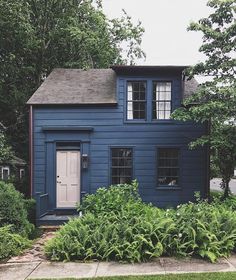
column 118, row 226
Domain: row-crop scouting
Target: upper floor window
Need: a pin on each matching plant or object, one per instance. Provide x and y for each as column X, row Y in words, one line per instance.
column 136, row 100
column 121, row 165
column 161, row 100
column 168, row 167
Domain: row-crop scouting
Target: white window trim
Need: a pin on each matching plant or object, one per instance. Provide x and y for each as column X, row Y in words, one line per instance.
column 5, row 168
column 22, row 170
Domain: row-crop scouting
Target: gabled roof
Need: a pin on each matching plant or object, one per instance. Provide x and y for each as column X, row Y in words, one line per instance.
column 93, row 86
column 77, row 86
column 15, row 161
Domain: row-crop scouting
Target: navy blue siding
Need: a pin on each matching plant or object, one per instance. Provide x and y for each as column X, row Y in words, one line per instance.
column 110, row 129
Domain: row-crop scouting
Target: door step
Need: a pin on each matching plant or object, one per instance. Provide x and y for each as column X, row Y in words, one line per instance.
column 46, row 228
column 65, row 212
column 55, row 220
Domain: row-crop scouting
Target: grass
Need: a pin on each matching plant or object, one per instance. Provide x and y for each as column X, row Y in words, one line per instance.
column 187, row 276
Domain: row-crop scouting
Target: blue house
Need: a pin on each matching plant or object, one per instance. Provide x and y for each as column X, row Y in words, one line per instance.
column 97, row 127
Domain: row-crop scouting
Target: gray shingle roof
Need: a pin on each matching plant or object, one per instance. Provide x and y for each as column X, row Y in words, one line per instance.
column 76, row 86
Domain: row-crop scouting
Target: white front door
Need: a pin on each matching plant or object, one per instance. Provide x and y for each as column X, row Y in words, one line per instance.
column 68, row 178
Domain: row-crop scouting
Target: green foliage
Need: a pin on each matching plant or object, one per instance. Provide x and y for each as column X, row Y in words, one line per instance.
column 37, row 36
column 11, row 244
column 136, row 232
column 30, row 207
column 5, row 150
column 110, row 199
column 12, row 210
column 216, row 98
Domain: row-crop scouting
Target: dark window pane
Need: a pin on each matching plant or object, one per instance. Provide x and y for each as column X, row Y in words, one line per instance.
column 121, row 169
column 168, row 166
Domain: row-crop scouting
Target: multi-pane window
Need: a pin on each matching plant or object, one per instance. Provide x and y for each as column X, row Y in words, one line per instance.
column 168, row 167
column 161, row 100
column 136, row 100
column 121, row 165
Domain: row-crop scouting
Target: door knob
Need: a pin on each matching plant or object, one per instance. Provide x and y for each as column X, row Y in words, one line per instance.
column 58, row 182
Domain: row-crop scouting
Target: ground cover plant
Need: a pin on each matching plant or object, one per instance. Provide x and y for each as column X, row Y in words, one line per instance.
column 117, row 225
column 11, row 244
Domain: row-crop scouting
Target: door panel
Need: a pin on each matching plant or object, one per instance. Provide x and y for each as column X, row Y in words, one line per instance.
column 68, row 178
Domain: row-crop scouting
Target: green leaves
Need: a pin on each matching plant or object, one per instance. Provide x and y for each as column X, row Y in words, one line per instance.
column 37, row 36
column 11, row 244
column 133, row 231
column 5, row 150
column 12, row 210
column 215, row 99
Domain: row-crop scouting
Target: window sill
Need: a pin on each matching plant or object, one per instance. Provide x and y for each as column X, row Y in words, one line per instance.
column 152, row 122
column 164, row 121
column 135, row 121
column 163, row 188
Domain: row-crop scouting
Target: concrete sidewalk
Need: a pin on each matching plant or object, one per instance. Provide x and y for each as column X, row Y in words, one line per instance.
column 36, row 270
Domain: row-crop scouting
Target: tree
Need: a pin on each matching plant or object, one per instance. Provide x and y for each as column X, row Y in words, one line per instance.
column 37, row 36
column 5, row 150
column 215, row 99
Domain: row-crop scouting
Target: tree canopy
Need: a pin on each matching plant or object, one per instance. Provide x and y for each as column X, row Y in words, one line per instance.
column 215, row 99
column 37, row 36
column 5, row 150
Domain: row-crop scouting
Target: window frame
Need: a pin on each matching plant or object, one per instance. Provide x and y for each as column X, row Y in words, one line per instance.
column 22, row 173
column 145, row 101
column 171, row 100
column 5, row 168
column 110, row 160
column 169, row 187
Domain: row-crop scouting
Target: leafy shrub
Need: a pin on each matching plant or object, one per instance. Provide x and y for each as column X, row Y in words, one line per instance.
column 12, row 209
column 30, row 206
column 126, row 229
column 11, row 244
column 110, row 199
column 217, row 197
column 123, row 236
column 202, row 229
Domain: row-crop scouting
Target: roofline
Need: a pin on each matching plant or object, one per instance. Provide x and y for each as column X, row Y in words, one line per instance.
column 73, row 104
column 118, row 68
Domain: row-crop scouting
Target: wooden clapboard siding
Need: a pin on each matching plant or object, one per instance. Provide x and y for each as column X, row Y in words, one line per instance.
column 110, row 129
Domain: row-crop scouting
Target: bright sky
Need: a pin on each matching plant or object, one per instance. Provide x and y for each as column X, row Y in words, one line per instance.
column 166, row 40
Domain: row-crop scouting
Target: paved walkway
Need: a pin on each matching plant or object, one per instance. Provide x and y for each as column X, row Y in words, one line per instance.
column 44, row 269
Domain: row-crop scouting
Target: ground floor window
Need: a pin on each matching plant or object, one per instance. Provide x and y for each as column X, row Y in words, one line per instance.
column 168, row 167
column 121, row 165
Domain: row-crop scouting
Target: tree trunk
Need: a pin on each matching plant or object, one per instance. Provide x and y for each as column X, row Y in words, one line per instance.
column 226, row 188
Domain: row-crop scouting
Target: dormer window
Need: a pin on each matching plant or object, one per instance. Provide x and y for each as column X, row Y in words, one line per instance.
column 161, row 101
column 136, row 100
